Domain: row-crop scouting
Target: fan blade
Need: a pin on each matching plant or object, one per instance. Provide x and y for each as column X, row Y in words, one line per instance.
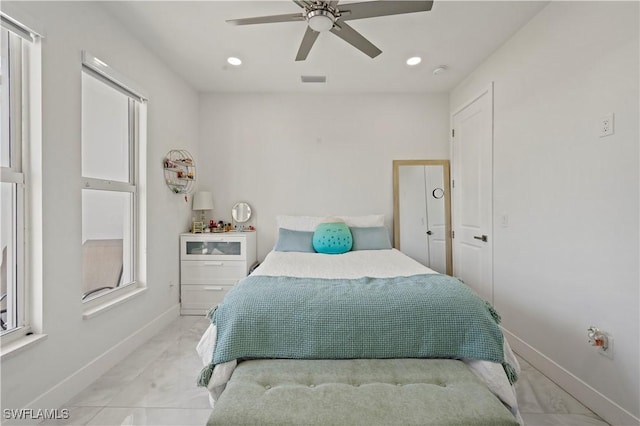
column 355, row 39
column 372, row 9
column 309, row 38
column 289, row 17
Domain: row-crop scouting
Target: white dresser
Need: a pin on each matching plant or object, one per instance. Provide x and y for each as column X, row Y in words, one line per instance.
column 210, row 264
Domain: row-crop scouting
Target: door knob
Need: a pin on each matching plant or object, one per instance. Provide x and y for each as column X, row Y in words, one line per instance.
column 429, row 232
column 482, row 238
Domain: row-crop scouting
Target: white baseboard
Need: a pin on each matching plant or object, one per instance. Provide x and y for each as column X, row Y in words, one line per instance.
column 608, row 410
column 76, row 382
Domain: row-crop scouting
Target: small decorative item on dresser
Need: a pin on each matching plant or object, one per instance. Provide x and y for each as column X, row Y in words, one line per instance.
column 197, row 228
column 241, row 213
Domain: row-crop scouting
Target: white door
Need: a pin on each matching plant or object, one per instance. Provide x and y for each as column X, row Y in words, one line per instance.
column 422, row 215
column 472, row 152
column 436, row 225
column 413, row 213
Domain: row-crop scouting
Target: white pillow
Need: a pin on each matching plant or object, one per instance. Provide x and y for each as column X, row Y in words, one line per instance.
column 369, row 221
column 309, row 223
column 299, row 223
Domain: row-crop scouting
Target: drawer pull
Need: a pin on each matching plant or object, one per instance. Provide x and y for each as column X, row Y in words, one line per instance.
column 213, row 288
column 213, row 264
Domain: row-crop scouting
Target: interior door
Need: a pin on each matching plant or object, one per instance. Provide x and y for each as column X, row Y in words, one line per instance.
column 422, row 212
column 472, row 140
column 436, row 226
column 413, row 213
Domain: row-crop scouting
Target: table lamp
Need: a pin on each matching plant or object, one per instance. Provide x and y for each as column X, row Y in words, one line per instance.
column 202, row 200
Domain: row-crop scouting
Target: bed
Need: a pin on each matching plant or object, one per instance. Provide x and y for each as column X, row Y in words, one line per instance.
column 369, row 336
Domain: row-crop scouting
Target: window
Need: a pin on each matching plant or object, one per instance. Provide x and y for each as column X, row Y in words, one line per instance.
column 14, row 147
column 111, row 201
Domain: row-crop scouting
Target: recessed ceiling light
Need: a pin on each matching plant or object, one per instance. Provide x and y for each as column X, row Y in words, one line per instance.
column 414, row 60
column 234, row 61
column 440, row 69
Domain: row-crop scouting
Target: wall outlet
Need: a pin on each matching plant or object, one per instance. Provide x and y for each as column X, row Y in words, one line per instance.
column 606, row 125
column 609, row 352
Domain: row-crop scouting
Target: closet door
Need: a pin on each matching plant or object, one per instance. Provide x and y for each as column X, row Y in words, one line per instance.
column 436, row 224
column 421, row 212
column 413, row 213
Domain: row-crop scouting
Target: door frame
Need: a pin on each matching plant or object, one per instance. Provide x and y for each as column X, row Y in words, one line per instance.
column 446, row 170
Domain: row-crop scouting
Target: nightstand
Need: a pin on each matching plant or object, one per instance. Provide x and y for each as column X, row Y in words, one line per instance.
column 210, row 265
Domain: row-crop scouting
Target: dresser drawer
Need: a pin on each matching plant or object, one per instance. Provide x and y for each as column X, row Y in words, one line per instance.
column 199, row 299
column 225, row 246
column 208, row 271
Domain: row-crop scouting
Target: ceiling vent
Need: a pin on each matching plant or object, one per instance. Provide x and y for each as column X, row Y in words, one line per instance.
column 313, row 78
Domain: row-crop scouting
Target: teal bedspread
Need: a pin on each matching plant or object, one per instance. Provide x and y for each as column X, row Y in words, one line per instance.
column 421, row 316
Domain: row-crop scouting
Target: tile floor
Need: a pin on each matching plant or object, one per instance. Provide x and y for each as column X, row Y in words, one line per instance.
column 156, row 386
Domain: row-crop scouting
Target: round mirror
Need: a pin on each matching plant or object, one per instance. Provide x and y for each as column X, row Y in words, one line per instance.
column 241, row 212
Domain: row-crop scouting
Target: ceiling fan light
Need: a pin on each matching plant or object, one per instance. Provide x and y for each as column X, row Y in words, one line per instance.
column 320, row 20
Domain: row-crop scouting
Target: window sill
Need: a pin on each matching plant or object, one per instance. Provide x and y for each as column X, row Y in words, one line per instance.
column 11, row 349
column 97, row 309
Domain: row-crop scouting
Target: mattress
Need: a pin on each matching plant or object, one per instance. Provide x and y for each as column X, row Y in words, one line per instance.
column 353, row 265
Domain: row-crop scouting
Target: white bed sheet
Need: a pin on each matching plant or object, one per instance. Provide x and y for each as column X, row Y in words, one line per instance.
column 352, row 265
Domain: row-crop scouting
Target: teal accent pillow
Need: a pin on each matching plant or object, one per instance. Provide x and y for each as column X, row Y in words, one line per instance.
column 332, row 238
column 370, row 238
column 290, row 240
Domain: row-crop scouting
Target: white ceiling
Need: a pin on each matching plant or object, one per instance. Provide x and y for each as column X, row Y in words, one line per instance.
column 192, row 38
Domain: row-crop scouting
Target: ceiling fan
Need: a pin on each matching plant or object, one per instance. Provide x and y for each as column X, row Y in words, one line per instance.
column 322, row 16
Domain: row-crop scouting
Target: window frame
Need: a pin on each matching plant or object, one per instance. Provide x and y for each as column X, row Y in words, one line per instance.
column 98, row 69
column 16, row 102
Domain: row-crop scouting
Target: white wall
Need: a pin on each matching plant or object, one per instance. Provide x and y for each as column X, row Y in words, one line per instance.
column 73, row 343
column 569, row 256
column 313, row 154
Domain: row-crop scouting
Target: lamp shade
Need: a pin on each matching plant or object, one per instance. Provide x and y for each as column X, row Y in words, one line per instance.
column 202, row 200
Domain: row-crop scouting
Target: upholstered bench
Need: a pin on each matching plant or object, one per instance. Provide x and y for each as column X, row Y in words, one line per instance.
column 358, row 392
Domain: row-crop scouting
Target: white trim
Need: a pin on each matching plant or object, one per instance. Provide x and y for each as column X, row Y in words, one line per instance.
column 67, row 388
column 105, row 302
column 23, row 342
column 18, row 28
column 15, row 13
column 488, row 89
column 9, row 176
column 107, row 185
column 590, row 397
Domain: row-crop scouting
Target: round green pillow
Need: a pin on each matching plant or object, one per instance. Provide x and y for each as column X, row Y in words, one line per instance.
column 332, row 238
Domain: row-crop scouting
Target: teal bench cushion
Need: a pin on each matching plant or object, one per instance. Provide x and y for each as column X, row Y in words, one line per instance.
column 358, row 392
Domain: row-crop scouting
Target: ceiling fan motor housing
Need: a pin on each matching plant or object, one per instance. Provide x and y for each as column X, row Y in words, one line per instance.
column 321, row 20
